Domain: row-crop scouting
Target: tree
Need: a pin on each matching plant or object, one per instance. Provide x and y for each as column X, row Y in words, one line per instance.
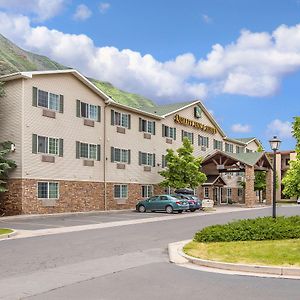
column 260, row 179
column 183, row 169
column 5, row 164
column 291, row 180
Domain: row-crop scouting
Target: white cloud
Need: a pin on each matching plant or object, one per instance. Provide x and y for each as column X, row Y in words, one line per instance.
column 240, row 128
column 41, row 9
column 254, row 65
column 206, row 19
column 282, row 129
column 104, row 7
column 82, row 12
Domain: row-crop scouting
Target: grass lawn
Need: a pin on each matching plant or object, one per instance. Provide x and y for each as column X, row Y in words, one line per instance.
column 5, row 231
column 277, row 252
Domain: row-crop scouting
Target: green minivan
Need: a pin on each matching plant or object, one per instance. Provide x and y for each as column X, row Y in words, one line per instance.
column 165, row 203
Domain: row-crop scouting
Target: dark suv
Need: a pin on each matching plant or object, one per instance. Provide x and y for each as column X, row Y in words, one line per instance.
column 188, row 194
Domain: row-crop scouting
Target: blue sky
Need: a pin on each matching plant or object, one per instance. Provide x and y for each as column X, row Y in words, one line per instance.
column 242, row 58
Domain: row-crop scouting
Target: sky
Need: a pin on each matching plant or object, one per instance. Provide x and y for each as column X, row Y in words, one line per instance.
column 240, row 57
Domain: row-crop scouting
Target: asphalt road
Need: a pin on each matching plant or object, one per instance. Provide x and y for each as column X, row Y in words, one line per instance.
column 127, row 262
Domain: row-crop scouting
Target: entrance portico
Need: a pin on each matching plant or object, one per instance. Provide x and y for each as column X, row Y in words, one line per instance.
column 243, row 164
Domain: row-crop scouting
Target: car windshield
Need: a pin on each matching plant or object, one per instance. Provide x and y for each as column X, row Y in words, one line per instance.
column 176, row 196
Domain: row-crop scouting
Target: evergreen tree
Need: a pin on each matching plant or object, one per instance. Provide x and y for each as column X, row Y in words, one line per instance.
column 5, row 164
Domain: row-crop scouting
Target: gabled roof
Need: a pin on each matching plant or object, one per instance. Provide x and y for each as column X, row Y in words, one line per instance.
column 213, row 179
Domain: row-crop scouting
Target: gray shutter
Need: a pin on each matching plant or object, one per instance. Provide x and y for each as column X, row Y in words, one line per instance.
column 99, row 114
column 98, row 152
column 207, row 142
column 34, row 96
column 112, row 117
column 163, row 130
column 129, row 121
column 192, row 138
column 112, row 154
column 199, row 140
column 61, row 103
column 181, row 135
column 153, row 130
column 174, row 133
column 77, row 108
column 77, row 149
column 140, row 124
column 153, row 156
column 129, row 156
column 61, row 147
column 34, row 143
column 140, row 158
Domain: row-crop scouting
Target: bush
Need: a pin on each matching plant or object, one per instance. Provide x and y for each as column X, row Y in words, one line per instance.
column 258, row 229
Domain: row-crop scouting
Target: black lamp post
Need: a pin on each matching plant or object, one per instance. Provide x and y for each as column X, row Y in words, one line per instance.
column 275, row 144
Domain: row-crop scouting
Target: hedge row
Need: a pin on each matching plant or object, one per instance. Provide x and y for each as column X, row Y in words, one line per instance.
column 257, row 229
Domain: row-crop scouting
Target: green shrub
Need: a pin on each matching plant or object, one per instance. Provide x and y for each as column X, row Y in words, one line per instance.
column 257, row 229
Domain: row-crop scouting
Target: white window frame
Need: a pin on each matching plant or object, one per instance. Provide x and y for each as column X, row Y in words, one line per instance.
column 147, row 122
column 123, row 117
column 169, row 132
column 48, row 100
column 48, row 138
column 122, row 151
column 203, row 141
column 121, row 191
column 89, row 156
column 188, row 135
column 89, row 106
column 228, row 147
column 229, row 193
column 149, row 190
column 206, row 192
column 149, row 159
column 48, row 190
column 218, row 145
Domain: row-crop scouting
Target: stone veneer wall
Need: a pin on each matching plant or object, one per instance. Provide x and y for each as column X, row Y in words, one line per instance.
column 11, row 201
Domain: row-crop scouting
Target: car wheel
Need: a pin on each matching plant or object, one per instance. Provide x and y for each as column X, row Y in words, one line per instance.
column 169, row 209
column 180, row 211
column 193, row 209
column 142, row 209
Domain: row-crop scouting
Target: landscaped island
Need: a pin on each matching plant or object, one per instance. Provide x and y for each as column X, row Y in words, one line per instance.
column 5, row 231
column 261, row 241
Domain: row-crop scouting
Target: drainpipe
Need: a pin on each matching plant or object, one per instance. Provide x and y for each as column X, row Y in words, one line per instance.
column 105, row 158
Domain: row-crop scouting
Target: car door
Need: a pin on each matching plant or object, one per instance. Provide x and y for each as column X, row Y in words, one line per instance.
column 153, row 203
column 163, row 202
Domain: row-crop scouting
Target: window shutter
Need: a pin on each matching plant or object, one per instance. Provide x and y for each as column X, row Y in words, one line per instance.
column 192, row 138
column 112, row 154
column 163, row 130
column 153, row 128
column 140, row 158
column 140, row 124
column 162, row 161
column 34, row 143
column 77, row 149
column 61, row 147
column 182, row 132
column 129, row 121
column 199, row 140
column 153, row 159
column 34, row 96
column 61, row 103
column 129, row 156
column 207, row 142
column 99, row 114
column 98, row 152
column 112, row 117
column 78, row 108
column 174, row 133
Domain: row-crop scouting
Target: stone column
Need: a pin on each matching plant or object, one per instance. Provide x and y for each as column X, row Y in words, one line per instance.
column 269, row 187
column 250, row 196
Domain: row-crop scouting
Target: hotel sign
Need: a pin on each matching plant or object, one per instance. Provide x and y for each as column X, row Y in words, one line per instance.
column 184, row 121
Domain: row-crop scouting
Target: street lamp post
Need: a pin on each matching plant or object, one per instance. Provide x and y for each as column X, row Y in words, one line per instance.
column 275, row 144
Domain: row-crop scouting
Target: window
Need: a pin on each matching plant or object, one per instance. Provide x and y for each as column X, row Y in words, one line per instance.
column 120, row 191
column 228, row 193
column 88, row 151
column 169, row 132
column 218, row 145
column 206, row 192
column 120, row 155
column 147, row 159
column 147, row 191
column 287, row 161
column 239, row 149
column 88, row 111
column 228, row 147
column 240, row 192
column 147, row 126
column 168, row 190
column 248, row 150
column 189, row 135
column 163, row 161
column 120, row 119
column 48, row 190
column 48, row 100
column 47, row 145
column 203, row 141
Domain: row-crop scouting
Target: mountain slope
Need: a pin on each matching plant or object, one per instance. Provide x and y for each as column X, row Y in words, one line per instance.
column 14, row 59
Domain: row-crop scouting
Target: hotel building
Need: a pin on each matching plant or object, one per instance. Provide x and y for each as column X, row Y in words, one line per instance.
column 77, row 149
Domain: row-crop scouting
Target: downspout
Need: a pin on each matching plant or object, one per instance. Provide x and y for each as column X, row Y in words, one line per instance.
column 105, row 158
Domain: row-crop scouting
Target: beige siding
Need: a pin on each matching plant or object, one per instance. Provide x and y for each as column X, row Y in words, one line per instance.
column 66, row 126
column 11, row 122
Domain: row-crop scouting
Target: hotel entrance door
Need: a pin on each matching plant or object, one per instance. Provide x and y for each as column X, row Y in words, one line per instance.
column 219, row 198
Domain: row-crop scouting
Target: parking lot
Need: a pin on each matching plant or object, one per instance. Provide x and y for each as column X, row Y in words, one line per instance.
column 66, row 220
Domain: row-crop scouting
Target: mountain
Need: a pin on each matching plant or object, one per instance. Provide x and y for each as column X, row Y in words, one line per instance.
column 14, row 59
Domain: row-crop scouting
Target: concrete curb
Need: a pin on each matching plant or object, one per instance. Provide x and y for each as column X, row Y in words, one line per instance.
column 177, row 256
column 8, row 235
